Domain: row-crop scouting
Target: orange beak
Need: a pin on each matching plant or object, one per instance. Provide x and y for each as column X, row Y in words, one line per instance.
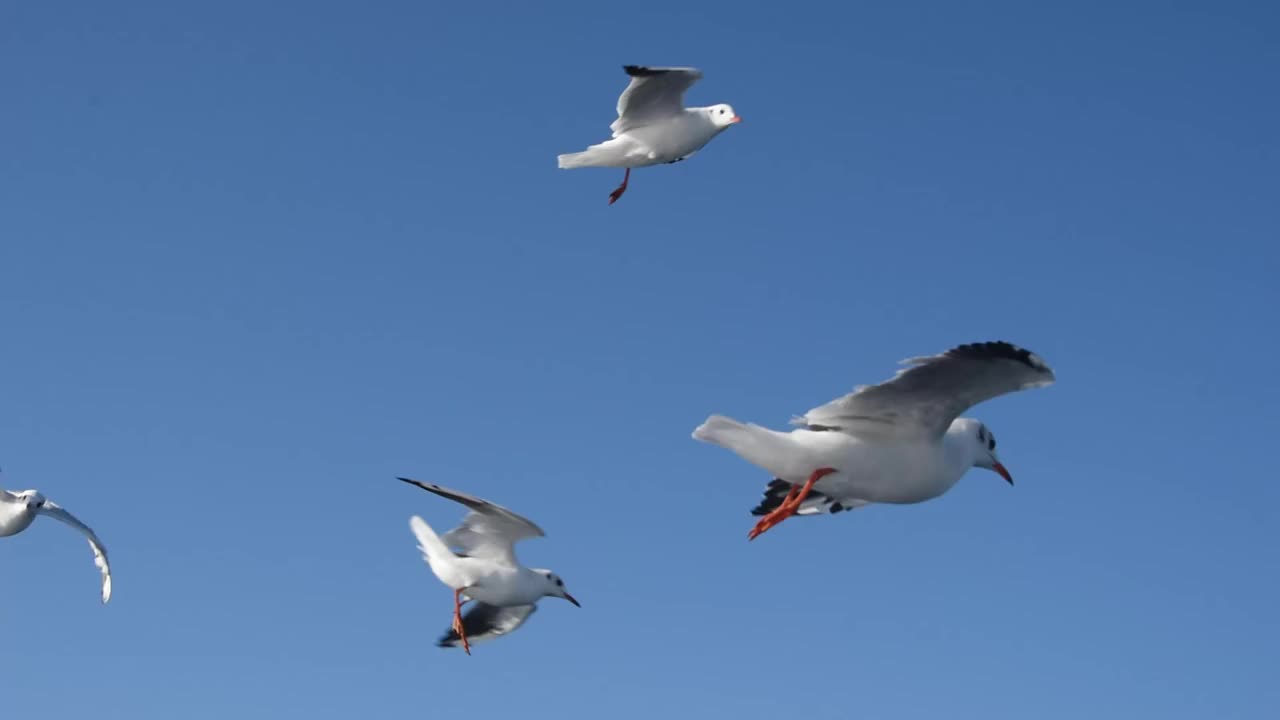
column 735, row 119
column 1004, row 473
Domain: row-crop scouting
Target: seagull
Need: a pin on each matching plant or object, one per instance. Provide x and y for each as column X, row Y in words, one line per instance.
column 653, row 125
column 19, row 510
column 902, row 441
column 484, row 568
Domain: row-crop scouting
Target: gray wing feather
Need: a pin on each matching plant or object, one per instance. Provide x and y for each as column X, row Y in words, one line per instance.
column 653, row 94
column 485, row 622
column 489, row 530
column 927, row 396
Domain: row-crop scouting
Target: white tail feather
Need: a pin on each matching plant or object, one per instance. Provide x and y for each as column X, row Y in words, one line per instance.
column 757, row 445
column 432, row 547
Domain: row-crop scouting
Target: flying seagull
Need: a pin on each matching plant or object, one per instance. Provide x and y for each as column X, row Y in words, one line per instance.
column 902, row 441
column 484, row 568
column 18, row 510
column 653, row 125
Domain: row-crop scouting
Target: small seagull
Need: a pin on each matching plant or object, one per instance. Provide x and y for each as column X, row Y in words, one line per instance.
column 653, row 125
column 902, row 441
column 484, row 568
column 19, row 510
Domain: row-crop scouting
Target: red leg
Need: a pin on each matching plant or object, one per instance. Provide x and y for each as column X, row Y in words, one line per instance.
column 790, row 505
column 457, row 620
column 613, row 196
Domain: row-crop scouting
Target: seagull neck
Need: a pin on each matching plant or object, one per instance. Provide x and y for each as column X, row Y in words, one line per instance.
column 958, row 446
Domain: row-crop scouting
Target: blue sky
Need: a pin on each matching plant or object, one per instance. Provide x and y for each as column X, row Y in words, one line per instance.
column 256, row 261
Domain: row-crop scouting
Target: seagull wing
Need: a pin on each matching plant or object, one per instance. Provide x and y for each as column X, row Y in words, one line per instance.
column 485, row 622
column 923, row 399
column 653, row 95
column 56, row 512
column 489, row 531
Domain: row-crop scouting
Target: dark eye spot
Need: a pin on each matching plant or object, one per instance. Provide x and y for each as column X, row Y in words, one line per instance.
column 559, row 582
column 991, row 444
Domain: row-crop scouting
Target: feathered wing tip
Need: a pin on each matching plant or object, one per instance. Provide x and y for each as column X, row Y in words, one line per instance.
column 485, row 622
column 817, row 503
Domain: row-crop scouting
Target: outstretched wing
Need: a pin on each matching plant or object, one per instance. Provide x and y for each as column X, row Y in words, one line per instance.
column 653, row 95
column 489, row 531
column 923, row 400
column 56, row 512
column 485, row 622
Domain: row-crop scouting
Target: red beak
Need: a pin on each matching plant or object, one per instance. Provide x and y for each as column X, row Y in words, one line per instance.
column 569, row 597
column 735, row 119
column 1003, row 473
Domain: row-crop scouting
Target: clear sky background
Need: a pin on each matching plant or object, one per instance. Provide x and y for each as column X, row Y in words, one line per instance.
column 258, row 259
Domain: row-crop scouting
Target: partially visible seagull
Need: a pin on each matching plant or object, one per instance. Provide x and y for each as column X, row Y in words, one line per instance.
column 18, row 510
column 902, row 441
column 484, row 568
column 653, row 125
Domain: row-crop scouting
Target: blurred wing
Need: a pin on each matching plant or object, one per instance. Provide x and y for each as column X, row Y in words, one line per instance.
column 922, row 400
column 56, row 512
column 489, row 531
column 653, row 95
column 485, row 622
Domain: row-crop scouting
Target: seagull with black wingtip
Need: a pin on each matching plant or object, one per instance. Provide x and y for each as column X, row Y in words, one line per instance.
column 902, row 441
column 484, row 568
column 653, row 126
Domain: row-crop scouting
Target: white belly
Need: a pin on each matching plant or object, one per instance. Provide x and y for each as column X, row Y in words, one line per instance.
column 877, row 472
column 14, row 519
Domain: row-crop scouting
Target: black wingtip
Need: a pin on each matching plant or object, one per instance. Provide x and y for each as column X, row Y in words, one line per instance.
column 1001, row 350
column 640, row 71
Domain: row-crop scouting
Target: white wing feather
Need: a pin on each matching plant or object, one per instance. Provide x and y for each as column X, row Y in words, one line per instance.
column 653, row 95
column 57, row 512
column 489, row 531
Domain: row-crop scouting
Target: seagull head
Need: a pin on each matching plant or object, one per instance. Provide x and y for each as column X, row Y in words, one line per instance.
column 555, row 587
column 722, row 116
column 985, row 452
column 33, row 499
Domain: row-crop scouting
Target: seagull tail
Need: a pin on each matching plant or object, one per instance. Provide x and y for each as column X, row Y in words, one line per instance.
column 569, row 161
column 757, row 445
column 610, row 153
column 432, row 547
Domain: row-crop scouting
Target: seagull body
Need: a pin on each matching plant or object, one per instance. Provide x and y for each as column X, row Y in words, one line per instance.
column 18, row 510
column 901, row 441
column 484, row 569
column 653, row 126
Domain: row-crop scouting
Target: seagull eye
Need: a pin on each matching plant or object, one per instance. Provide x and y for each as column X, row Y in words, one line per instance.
column 991, row 444
column 559, row 582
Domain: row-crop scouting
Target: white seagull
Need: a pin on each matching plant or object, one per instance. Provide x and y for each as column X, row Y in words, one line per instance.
column 902, row 441
column 19, row 510
column 653, row 125
column 484, row 568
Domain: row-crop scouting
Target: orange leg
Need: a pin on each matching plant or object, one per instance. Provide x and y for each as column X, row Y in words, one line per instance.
column 613, row 196
column 457, row 620
column 790, row 505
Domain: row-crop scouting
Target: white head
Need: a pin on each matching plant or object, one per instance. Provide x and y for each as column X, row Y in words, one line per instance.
column 722, row 116
column 981, row 443
column 554, row 586
column 33, row 499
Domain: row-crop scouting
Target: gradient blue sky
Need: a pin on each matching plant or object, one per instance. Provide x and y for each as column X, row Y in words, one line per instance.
column 258, row 259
